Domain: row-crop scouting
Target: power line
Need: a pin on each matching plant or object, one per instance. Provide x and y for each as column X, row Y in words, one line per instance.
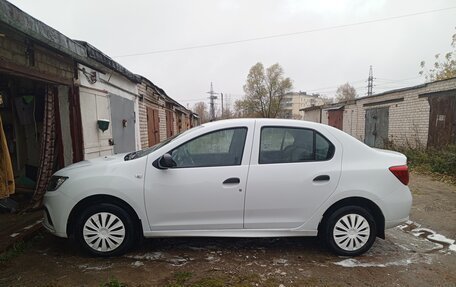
column 285, row 34
column 333, row 87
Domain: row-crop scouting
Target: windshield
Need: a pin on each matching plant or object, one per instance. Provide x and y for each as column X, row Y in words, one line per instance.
column 146, row 151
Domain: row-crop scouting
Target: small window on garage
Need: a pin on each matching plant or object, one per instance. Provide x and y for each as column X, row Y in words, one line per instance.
column 285, row 145
column 219, row 148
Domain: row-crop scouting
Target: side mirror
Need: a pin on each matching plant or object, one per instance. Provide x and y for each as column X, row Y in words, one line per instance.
column 166, row 161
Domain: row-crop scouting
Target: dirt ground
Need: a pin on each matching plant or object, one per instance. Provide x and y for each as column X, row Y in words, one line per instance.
column 418, row 253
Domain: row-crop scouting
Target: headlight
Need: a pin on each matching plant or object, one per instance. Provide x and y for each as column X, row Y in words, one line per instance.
column 55, row 182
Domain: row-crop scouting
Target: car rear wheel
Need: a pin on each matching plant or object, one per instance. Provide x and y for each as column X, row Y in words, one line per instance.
column 105, row 230
column 350, row 231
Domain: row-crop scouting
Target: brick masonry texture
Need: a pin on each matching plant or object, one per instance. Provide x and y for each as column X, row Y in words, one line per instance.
column 408, row 119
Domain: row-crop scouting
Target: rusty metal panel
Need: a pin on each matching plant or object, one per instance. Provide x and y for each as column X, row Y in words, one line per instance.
column 153, row 129
column 376, row 127
column 336, row 118
column 442, row 120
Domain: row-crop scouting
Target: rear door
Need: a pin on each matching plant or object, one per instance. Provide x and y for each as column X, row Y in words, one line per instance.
column 293, row 171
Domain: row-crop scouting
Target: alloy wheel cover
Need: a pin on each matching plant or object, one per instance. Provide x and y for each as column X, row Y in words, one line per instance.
column 351, row 232
column 104, row 232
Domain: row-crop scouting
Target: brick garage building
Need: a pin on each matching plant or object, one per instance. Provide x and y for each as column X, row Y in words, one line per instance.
column 58, row 94
column 416, row 117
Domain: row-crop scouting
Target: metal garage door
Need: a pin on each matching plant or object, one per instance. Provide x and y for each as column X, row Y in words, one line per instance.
column 376, row 127
column 123, row 124
column 442, row 119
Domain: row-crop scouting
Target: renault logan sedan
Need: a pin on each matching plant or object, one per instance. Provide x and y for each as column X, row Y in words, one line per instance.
column 234, row 178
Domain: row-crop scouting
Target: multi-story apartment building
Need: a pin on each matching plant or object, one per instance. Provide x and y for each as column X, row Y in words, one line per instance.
column 293, row 102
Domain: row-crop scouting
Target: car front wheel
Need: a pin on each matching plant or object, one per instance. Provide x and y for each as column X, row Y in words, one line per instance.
column 350, row 231
column 105, row 230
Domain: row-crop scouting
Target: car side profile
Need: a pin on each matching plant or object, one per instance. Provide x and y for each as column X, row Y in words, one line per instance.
column 234, row 178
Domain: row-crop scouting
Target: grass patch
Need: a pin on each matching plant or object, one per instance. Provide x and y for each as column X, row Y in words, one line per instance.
column 113, row 282
column 18, row 248
column 13, row 252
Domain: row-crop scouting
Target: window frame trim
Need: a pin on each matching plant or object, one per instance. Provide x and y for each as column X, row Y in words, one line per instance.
column 210, row 132
column 314, row 145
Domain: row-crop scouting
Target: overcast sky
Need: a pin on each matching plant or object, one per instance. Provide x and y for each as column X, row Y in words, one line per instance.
column 316, row 62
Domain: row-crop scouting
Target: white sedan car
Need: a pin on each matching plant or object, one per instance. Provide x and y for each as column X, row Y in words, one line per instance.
column 234, row 178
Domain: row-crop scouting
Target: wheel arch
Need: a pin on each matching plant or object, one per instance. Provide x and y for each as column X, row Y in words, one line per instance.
column 101, row 198
column 362, row 202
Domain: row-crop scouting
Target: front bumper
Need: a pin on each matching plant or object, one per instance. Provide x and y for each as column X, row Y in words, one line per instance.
column 57, row 209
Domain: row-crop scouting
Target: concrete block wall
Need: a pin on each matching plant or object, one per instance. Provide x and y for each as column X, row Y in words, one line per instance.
column 324, row 117
column 142, row 113
column 350, row 119
column 13, row 50
column 312, row 115
column 162, row 116
column 408, row 119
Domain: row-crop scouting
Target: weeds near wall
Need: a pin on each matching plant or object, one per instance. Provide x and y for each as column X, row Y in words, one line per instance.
column 441, row 162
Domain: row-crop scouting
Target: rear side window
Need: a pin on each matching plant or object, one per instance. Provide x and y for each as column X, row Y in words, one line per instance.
column 284, row 145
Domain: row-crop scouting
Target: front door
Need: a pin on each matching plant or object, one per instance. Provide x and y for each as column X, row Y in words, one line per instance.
column 293, row 171
column 206, row 189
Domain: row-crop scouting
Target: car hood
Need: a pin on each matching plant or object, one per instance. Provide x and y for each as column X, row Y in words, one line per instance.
column 94, row 162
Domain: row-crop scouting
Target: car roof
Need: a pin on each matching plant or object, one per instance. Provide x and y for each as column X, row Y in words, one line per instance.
column 263, row 121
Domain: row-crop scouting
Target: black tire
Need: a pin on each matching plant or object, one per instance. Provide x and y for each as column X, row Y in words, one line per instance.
column 365, row 237
column 115, row 212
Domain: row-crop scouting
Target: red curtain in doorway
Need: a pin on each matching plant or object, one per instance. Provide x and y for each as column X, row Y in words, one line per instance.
column 48, row 147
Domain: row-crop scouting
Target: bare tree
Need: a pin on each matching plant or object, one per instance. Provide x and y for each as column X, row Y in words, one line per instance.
column 264, row 91
column 442, row 68
column 345, row 92
column 201, row 109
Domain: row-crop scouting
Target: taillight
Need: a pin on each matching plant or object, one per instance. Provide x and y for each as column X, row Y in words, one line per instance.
column 401, row 172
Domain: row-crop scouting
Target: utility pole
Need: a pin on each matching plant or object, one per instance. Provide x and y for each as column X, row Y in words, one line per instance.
column 370, row 82
column 211, row 103
column 221, row 96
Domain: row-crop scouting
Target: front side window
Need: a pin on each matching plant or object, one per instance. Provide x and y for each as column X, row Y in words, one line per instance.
column 219, row 148
column 284, row 145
